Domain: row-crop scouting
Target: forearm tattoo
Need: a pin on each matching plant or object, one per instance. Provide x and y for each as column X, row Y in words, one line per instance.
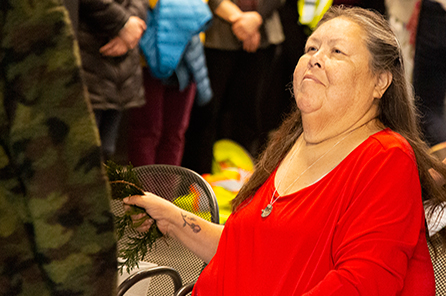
column 195, row 228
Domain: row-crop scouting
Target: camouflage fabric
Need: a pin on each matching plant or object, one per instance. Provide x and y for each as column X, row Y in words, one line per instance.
column 56, row 230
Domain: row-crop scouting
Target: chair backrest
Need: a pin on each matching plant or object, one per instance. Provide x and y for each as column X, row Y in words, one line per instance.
column 439, row 150
column 436, row 246
column 189, row 191
column 438, row 256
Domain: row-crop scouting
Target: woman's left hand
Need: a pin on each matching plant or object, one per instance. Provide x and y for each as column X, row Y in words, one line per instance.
column 114, row 48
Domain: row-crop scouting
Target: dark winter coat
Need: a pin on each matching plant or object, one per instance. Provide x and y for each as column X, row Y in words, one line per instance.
column 113, row 82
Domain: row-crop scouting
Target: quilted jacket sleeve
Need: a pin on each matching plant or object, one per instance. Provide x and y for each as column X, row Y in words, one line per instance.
column 106, row 15
column 138, row 8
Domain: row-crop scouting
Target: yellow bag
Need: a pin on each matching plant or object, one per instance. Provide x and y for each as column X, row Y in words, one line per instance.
column 231, row 168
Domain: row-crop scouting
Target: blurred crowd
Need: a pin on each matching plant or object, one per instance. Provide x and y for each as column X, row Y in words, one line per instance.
column 229, row 73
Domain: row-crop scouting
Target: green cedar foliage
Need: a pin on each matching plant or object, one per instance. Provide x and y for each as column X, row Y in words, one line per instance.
column 124, row 182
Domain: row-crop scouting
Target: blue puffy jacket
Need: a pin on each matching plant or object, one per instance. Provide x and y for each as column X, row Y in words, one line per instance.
column 171, row 43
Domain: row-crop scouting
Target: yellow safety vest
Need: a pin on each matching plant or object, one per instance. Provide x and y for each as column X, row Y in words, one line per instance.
column 311, row 11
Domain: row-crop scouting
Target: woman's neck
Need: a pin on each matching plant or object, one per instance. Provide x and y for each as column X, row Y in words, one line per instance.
column 312, row 160
column 316, row 131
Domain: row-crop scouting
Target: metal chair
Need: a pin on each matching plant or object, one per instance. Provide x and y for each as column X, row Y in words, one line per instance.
column 436, row 246
column 439, row 150
column 178, row 268
column 438, row 256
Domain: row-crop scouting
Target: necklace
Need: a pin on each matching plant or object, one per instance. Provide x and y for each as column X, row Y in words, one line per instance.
column 269, row 208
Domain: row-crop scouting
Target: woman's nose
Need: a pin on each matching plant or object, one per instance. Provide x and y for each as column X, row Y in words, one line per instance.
column 316, row 60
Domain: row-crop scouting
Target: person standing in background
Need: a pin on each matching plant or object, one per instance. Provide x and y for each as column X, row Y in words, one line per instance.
column 108, row 35
column 156, row 130
column 429, row 73
column 56, row 228
column 239, row 48
column 399, row 15
column 73, row 10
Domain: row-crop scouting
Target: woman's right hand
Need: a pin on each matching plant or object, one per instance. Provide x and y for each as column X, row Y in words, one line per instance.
column 198, row 235
column 161, row 210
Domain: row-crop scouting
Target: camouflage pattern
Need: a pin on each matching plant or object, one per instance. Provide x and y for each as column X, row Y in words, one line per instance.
column 56, row 229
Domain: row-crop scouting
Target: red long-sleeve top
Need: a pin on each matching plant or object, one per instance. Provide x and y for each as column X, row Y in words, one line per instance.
column 359, row 230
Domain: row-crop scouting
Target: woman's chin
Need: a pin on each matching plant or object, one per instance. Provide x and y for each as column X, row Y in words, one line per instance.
column 307, row 108
column 308, row 104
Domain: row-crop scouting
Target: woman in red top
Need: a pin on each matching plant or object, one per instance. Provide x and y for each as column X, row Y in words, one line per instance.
column 334, row 206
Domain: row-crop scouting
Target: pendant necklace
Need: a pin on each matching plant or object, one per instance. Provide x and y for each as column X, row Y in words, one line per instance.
column 269, row 208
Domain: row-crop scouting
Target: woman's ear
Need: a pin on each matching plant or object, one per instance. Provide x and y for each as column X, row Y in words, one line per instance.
column 383, row 81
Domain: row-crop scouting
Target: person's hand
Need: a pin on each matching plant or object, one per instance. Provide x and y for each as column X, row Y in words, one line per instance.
column 114, row 48
column 234, row 17
column 246, row 24
column 158, row 208
column 252, row 43
column 132, row 31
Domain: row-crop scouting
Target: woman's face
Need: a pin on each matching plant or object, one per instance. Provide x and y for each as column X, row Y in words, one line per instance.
column 332, row 80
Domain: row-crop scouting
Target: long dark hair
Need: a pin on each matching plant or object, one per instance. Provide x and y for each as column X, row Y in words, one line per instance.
column 396, row 110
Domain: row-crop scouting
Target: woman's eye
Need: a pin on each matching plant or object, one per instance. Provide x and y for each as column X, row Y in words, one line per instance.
column 337, row 51
column 311, row 48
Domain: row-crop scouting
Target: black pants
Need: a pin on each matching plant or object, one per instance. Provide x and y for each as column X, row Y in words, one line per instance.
column 429, row 77
column 235, row 112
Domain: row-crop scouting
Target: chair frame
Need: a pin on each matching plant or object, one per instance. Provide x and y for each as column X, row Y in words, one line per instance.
column 147, row 273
